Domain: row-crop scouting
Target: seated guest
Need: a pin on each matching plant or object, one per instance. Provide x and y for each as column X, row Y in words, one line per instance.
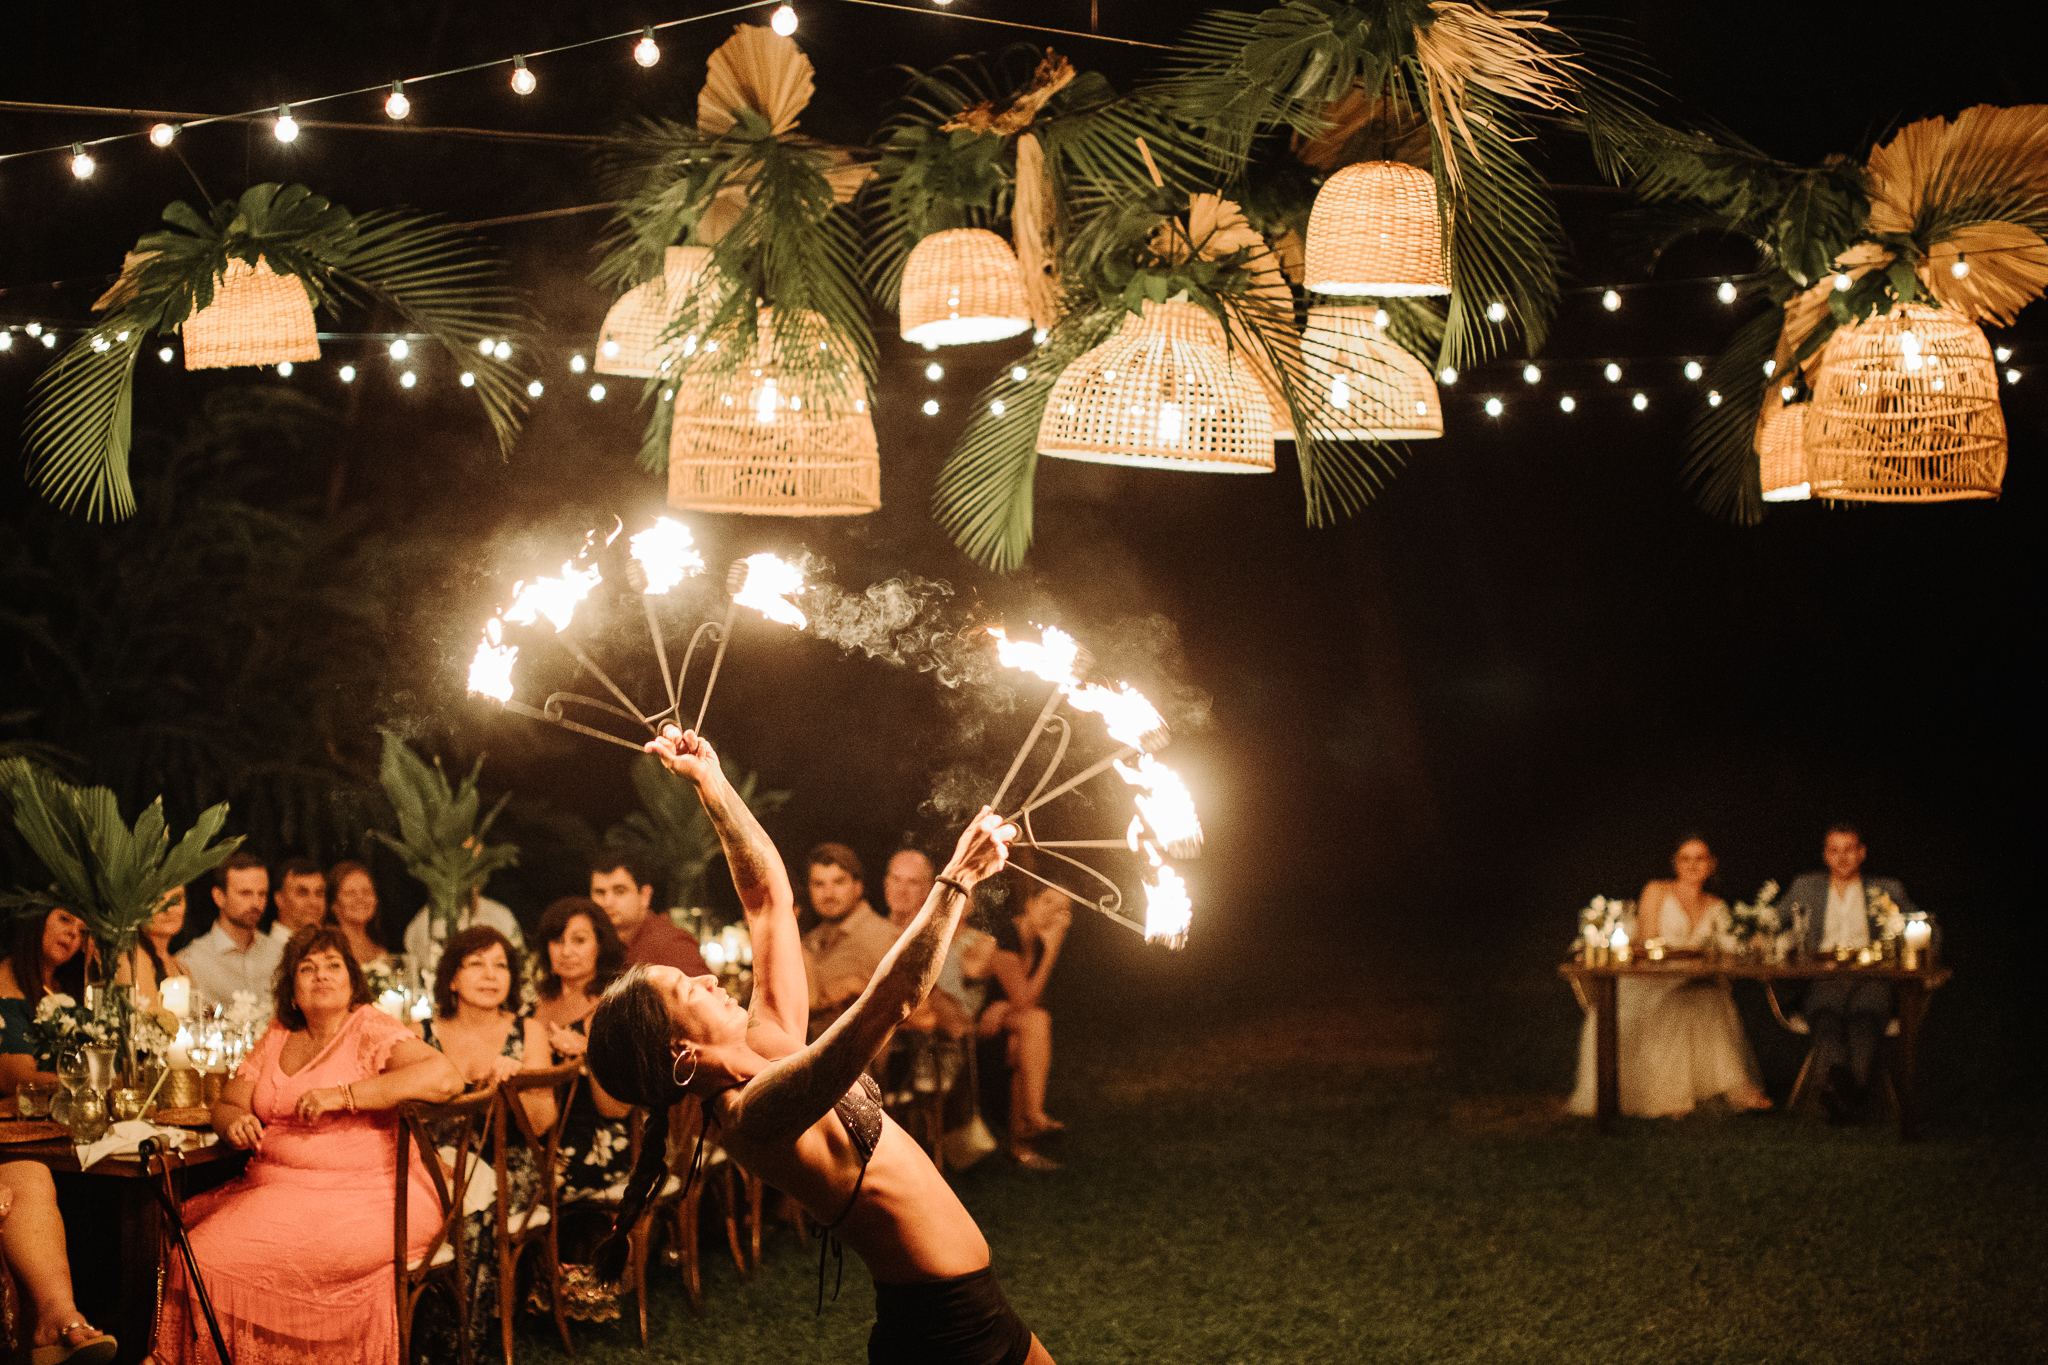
column 149, row 963
column 584, row 957
column 424, row 937
column 301, row 898
column 48, row 959
column 32, row 1233
column 352, row 908
column 1029, row 931
column 233, row 955
column 1846, row 1016
column 622, row 889
column 906, row 885
column 297, row 1250
column 1680, row 1039
column 849, row 940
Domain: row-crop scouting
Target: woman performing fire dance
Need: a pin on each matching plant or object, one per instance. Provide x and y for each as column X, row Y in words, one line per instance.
column 808, row 1120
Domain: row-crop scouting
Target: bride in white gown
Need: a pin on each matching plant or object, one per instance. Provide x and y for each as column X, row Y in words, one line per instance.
column 1680, row 1039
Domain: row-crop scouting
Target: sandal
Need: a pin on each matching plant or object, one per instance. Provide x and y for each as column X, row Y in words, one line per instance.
column 1028, row 1159
column 77, row 1343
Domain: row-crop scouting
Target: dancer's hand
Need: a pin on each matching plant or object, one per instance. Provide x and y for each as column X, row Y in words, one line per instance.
column 686, row 754
column 983, row 849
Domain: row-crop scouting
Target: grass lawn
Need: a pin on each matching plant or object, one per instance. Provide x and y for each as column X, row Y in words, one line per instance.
column 1376, row 1174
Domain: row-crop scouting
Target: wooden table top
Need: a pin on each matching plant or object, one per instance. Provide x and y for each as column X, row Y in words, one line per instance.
column 1751, row 969
column 59, row 1155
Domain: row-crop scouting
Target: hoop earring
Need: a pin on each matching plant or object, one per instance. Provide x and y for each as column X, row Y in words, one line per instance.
column 683, row 1082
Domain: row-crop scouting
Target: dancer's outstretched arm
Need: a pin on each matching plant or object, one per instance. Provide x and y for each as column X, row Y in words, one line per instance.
column 781, row 994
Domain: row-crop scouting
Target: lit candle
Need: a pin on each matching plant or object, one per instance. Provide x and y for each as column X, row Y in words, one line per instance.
column 176, row 995
column 178, row 1059
column 1619, row 943
column 393, row 1004
column 1919, row 933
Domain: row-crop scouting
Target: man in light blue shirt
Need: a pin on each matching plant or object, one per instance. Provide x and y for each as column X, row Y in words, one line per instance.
column 233, row 956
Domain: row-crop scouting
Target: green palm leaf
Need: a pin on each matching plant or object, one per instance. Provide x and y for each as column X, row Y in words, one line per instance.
column 80, row 420
column 673, row 833
column 1721, row 463
column 440, row 837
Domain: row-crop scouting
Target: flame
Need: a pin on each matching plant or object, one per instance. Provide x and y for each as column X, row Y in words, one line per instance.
column 768, row 584
column 1166, row 805
column 490, row 673
column 1052, row 658
column 1168, row 911
column 667, row 553
column 554, row 598
column 1125, row 711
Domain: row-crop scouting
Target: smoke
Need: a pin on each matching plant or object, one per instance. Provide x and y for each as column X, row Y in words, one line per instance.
column 909, row 622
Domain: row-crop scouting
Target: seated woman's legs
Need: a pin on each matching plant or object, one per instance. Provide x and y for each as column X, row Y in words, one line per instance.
column 33, row 1234
column 1030, row 1030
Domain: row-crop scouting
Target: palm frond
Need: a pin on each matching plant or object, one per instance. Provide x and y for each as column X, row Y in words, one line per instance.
column 79, row 425
column 672, row 831
column 1721, row 459
column 441, row 837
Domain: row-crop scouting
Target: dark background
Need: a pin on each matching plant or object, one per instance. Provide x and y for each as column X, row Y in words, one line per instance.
column 1433, row 730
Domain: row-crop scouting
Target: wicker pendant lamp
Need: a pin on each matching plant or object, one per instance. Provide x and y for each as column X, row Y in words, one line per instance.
column 1371, row 388
column 961, row 286
column 775, row 439
column 1905, row 409
column 257, row 317
column 1374, row 231
column 1163, row 393
column 629, row 342
column 1781, row 455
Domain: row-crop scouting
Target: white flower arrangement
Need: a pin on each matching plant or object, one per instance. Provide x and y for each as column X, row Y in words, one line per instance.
column 246, row 1013
column 1600, row 918
column 1887, row 921
column 1749, row 920
column 62, row 1022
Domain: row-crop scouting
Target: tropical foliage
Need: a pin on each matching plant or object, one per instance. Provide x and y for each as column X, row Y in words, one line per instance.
column 673, row 833
column 431, row 275
column 440, row 836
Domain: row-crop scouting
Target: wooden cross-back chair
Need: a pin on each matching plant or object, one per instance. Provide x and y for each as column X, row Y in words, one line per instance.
column 669, row 1197
column 536, row 1223
column 464, row 1125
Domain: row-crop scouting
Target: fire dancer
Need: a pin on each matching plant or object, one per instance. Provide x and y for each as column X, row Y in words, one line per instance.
column 807, row 1118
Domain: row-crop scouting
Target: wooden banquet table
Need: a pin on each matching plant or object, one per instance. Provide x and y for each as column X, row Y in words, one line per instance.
column 1910, row 990
column 115, row 1232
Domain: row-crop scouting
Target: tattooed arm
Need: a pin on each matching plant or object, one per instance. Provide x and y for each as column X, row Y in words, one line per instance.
column 781, row 993
column 795, row 1092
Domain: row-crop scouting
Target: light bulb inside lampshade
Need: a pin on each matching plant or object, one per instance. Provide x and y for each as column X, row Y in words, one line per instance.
column 286, row 129
column 647, row 52
column 523, row 80
column 783, row 21
column 82, row 164
column 163, row 134
column 396, row 105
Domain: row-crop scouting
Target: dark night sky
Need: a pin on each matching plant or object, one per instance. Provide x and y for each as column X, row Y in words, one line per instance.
column 1507, row 685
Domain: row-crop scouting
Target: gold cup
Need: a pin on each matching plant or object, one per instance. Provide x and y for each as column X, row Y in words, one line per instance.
column 210, row 1084
column 126, row 1104
column 183, row 1089
column 1653, row 948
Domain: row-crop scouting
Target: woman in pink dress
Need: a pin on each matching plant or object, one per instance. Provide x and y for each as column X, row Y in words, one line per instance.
column 297, row 1252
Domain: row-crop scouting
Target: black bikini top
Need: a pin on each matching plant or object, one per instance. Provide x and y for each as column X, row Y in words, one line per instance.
column 860, row 1110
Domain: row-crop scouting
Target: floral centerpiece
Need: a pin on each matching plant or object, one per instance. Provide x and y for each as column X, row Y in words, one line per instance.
column 61, row 1023
column 1885, row 919
column 1599, row 919
column 1751, row 921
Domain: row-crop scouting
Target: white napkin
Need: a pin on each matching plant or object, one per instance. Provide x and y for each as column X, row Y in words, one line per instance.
column 124, row 1138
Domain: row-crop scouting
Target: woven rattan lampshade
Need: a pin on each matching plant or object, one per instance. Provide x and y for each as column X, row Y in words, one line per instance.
column 775, row 440
column 1905, row 409
column 257, row 317
column 1781, row 455
column 629, row 341
column 1374, row 231
column 1163, row 393
column 962, row 286
column 1379, row 391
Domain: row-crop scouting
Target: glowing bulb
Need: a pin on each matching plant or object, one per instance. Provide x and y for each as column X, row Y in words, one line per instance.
column 535, row 389
column 1019, row 374
column 1531, row 375
column 2012, row 376
column 400, row 349
column 165, row 355
column 1693, row 369
column 2004, row 353
column 484, row 347
column 49, row 341
column 597, row 393
column 1640, row 401
column 407, row 380
column 1171, row 424
column 522, row 79
column 34, row 329
column 1567, row 403
column 1770, row 368
column 1494, row 407
column 1496, row 311
column 1038, row 336
column 286, row 128
column 82, row 165
column 1340, row 392
column 997, row 408
column 6, row 341
column 783, row 21
column 577, row 364
column 1842, row 282
column 163, row 134
column 931, row 407
column 1610, row 300
column 284, row 367
column 1726, row 293
column 396, row 105
column 1786, row 393
column 1613, row 373
column 348, row 373
column 503, row 350
column 1961, row 269
column 1713, row 398
column 1447, row 375
column 935, row 372
column 468, row 380
column 647, row 52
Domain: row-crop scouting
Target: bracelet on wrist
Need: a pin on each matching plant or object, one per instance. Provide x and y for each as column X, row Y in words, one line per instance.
column 950, row 883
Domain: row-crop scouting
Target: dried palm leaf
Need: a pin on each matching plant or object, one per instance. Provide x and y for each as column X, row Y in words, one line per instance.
column 1465, row 46
column 758, row 69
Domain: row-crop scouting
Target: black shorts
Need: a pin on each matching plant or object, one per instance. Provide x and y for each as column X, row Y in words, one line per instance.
column 961, row 1321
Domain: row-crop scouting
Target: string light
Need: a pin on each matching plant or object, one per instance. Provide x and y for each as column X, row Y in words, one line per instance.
column 1770, row 366
column 935, row 372
column 597, row 393
column 998, row 408
column 1610, row 301
column 503, row 350
column 783, row 21
column 1531, row 375
column 522, row 79
column 1961, row 269
column 1494, row 407
column 6, row 341
column 1613, row 373
column 1786, row 393
column 1567, row 403
column 1842, row 282
column 49, row 341
column 1496, row 311
column 577, row 364
column 1039, row 335
column 408, row 379
column 348, row 374
column 468, row 380
column 163, row 134
column 284, row 368
column 484, row 347
column 1726, row 293
column 647, row 52
column 400, row 349
column 82, row 165
column 1380, row 318
column 1640, row 401
column 1693, row 370
column 286, row 128
column 1019, row 373
column 2004, row 353
column 2012, row 376
column 1447, row 375
column 535, row 389
column 34, row 329
column 165, row 355
column 1713, row 398
column 396, row 104
column 931, row 407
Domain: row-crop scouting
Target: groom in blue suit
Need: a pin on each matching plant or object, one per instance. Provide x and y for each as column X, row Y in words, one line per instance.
column 1847, row 1016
